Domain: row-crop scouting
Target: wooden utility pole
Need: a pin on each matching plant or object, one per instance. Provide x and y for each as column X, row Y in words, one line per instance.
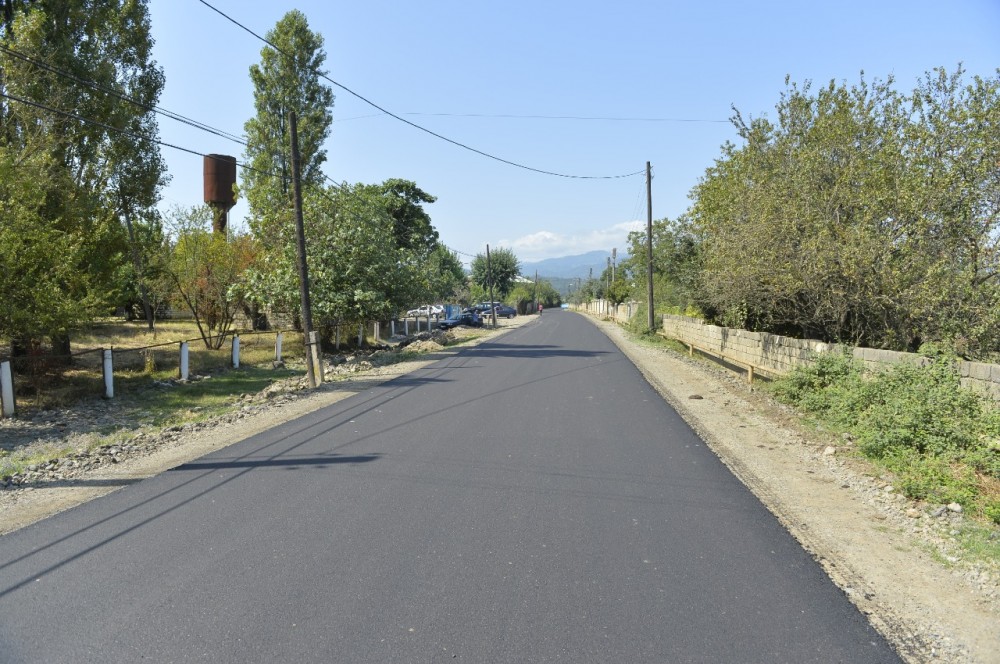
column 300, row 246
column 649, row 247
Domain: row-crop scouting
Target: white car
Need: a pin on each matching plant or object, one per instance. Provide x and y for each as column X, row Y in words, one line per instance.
column 425, row 310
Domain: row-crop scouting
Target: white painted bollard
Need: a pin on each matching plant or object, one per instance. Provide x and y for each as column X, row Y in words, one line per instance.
column 316, row 357
column 378, row 332
column 185, row 366
column 6, row 389
column 392, row 327
column 277, row 347
column 361, row 334
column 109, row 376
column 236, row 351
column 406, row 327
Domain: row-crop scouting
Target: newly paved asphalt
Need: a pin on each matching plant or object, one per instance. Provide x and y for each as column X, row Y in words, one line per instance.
column 528, row 500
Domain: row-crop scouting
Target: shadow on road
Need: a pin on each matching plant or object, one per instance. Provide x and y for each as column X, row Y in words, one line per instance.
column 534, row 351
column 291, row 464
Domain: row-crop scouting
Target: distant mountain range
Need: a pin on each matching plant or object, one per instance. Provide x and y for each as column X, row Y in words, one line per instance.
column 570, row 267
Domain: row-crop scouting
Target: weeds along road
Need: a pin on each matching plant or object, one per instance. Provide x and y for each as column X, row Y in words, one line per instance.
column 530, row 499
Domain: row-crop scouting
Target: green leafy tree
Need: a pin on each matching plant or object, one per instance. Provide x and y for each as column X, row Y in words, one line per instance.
column 38, row 275
column 207, row 272
column 356, row 271
column 955, row 145
column 446, row 274
column 503, row 269
column 412, row 226
column 676, row 266
column 523, row 296
column 83, row 57
column 860, row 215
column 285, row 80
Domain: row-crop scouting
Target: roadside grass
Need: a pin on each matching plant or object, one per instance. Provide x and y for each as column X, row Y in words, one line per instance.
column 938, row 440
column 144, row 397
column 153, row 407
column 140, row 358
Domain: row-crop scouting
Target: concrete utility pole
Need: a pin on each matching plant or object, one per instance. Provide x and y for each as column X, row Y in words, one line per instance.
column 536, row 293
column 649, row 247
column 607, row 286
column 300, row 246
column 489, row 282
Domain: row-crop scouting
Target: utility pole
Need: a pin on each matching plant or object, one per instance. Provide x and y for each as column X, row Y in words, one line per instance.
column 607, row 287
column 536, row 292
column 300, row 246
column 489, row 282
column 649, row 247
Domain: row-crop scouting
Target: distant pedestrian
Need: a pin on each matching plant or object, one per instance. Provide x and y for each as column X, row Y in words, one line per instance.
column 539, row 308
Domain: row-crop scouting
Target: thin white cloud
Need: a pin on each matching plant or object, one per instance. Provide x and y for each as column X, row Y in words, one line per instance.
column 546, row 244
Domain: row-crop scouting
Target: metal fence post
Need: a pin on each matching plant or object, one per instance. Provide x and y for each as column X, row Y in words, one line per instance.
column 109, row 375
column 184, row 361
column 277, row 347
column 7, row 389
column 236, row 351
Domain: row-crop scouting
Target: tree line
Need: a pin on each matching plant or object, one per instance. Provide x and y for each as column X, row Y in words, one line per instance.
column 81, row 174
column 858, row 214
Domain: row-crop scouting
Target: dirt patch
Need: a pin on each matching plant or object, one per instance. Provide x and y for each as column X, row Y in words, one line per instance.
column 895, row 560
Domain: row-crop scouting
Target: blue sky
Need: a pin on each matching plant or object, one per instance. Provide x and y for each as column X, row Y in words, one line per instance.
column 671, row 69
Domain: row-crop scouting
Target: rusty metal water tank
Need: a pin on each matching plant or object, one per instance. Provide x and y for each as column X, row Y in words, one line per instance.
column 220, row 176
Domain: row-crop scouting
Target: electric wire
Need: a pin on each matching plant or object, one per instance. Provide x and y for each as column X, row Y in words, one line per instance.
column 146, row 107
column 415, row 125
column 554, row 117
column 131, row 134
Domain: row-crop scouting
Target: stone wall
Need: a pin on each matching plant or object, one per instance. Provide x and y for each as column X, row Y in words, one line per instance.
column 776, row 355
column 621, row 313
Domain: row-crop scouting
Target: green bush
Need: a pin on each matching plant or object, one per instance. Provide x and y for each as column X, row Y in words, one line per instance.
column 932, row 478
column 941, row 440
column 923, row 408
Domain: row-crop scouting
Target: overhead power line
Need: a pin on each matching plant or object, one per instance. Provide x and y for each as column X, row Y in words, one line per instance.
column 126, row 98
column 413, row 124
column 130, row 134
column 514, row 116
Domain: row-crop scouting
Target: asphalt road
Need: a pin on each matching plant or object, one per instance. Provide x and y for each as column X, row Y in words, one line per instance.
column 531, row 499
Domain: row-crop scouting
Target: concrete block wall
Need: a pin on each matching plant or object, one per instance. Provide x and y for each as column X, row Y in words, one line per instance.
column 779, row 355
column 621, row 313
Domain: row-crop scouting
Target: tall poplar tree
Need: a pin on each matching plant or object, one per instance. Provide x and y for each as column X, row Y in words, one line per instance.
column 286, row 79
column 79, row 61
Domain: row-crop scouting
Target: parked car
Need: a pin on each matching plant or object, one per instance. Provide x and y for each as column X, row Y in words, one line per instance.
column 483, row 307
column 464, row 318
column 425, row 310
column 503, row 311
